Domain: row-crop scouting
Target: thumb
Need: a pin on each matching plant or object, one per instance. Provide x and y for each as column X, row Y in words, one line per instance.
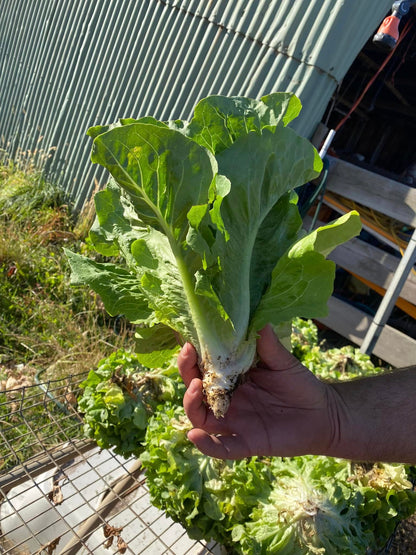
column 271, row 351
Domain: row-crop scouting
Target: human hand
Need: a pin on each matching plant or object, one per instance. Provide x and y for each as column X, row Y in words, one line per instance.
column 281, row 408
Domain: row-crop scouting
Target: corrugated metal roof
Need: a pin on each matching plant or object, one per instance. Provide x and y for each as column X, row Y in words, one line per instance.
column 65, row 66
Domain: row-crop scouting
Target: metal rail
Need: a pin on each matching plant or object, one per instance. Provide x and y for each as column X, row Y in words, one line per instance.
column 389, row 300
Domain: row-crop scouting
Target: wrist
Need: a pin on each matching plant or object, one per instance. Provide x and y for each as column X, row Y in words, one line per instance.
column 372, row 419
column 344, row 438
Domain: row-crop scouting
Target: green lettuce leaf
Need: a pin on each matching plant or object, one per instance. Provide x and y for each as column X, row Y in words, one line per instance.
column 300, row 505
column 118, row 398
column 204, row 216
column 322, row 505
column 219, row 120
column 207, row 496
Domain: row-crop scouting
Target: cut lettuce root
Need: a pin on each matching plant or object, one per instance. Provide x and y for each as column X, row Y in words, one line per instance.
column 221, row 376
column 203, row 220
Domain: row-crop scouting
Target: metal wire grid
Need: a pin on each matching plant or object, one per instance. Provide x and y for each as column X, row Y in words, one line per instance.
column 61, row 494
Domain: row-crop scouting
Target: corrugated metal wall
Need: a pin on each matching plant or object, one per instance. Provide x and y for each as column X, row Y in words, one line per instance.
column 65, row 66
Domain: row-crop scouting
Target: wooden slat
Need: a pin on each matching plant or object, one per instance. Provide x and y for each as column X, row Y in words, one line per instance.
column 395, row 200
column 375, row 191
column 393, row 346
column 373, row 264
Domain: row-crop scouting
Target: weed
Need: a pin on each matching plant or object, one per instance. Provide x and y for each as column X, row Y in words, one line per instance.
column 23, row 195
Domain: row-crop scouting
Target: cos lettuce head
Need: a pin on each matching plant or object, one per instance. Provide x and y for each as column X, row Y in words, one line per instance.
column 204, row 215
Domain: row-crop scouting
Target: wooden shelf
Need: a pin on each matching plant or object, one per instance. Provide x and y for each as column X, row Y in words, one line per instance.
column 372, row 264
column 393, row 346
column 375, row 191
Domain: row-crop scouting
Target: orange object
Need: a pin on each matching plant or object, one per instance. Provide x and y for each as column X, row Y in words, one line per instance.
column 401, row 303
column 390, row 26
column 393, row 43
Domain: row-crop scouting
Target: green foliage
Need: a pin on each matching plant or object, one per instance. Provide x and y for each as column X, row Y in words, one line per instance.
column 207, row 496
column 301, row 505
column 324, row 505
column 26, row 195
column 342, row 363
column 44, row 321
column 388, row 497
column 180, row 250
column 205, row 217
column 118, row 398
column 307, row 504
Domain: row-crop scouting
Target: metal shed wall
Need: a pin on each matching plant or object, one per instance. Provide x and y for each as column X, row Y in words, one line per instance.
column 65, row 66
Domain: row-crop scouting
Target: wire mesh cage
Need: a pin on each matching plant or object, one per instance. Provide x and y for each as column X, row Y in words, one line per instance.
column 60, row 494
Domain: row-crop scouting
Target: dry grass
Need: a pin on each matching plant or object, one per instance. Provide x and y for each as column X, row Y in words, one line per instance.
column 44, row 322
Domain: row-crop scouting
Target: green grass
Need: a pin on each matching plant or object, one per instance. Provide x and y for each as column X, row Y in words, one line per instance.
column 46, row 323
column 50, row 332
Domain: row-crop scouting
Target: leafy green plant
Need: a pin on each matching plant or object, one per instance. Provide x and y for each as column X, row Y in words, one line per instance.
column 337, row 363
column 27, row 195
column 207, row 496
column 300, row 505
column 325, row 505
column 204, row 214
column 118, row 398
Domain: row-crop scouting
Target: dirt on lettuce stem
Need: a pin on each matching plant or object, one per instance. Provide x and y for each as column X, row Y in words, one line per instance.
column 218, row 400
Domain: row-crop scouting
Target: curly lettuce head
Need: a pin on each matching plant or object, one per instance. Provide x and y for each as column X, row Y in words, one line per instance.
column 324, row 505
column 118, row 398
column 207, row 496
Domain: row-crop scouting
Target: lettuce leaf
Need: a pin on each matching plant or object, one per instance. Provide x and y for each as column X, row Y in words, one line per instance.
column 207, row 496
column 204, row 215
column 119, row 397
column 300, row 505
column 325, row 505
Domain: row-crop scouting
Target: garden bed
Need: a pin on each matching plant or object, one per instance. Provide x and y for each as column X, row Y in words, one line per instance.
column 48, row 325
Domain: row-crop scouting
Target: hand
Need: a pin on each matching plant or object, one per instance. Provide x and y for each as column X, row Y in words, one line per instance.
column 280, row 409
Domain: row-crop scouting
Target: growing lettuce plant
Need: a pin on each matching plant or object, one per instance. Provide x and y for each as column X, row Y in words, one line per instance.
column 257, row 506
column 324, row 505
column 120, row 396
column 204, row 215
column 336, row 363
column 207, row 496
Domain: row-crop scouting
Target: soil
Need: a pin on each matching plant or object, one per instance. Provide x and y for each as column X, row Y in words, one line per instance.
column 404, row 542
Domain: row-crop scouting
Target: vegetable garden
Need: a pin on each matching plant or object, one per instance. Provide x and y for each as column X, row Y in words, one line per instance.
column 197, row 236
